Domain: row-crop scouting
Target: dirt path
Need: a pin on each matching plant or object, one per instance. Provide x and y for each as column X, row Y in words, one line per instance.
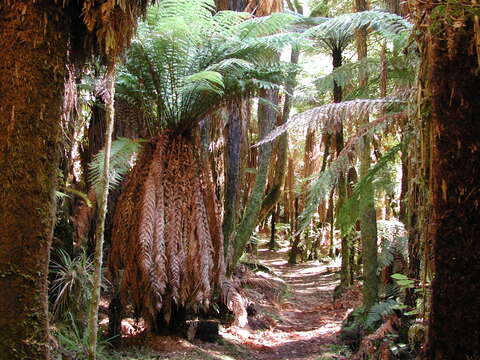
column 296, row 318
column 306, row 319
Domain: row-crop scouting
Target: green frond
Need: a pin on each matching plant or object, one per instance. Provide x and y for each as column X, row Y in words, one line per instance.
column 122, row 152
column 355, row 205
column 381, row 309
column 324, row 182
column 394, row 242
column 347, row 74
column 265, row 25
column 387, row 24
column 186, row 61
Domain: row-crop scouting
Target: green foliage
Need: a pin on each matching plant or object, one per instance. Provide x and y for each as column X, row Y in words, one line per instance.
column 73, row 342
column 394, row 241
column 380, row 310
column 121, row 154
column 375, row 179
column 186, row 60
column 347, row 74
column 387, row 24
column 71, row 285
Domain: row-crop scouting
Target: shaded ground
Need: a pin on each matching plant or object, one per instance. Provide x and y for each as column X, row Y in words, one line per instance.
column 296, row 317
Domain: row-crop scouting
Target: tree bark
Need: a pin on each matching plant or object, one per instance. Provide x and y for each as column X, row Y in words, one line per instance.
column 368, row 218
column 266, row 120
column 101, row 215
column 345, row 276
column 234, row 130
column 453, row 82
column 32, row 71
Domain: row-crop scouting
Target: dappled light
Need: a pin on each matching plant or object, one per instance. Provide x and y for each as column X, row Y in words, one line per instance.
column 239, row 180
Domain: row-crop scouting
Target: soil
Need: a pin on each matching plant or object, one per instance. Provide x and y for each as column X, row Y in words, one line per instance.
column 293, row 316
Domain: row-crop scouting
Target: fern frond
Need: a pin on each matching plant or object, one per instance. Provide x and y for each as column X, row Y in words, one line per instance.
column 327, row 180
column 347, row 74
column 394, row 242
column 381, row 309
column 186, row 61
column 325, row 117
column 387, row 24
column 122, row 152
column 354, row 206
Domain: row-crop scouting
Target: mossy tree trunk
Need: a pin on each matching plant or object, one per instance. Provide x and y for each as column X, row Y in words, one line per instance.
column 33, row 42
column 368, row 218
column 101, row 215
column 235, row 147
column 345, row 275
column 266, row 120
column 275, row 193
column 450, row 52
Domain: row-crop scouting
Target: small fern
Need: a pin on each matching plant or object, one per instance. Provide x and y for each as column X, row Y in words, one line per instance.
column 122, row 153
column 381, row 309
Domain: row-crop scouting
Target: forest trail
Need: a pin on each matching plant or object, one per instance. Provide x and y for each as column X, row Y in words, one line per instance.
column 306, row 320
column 296, row 318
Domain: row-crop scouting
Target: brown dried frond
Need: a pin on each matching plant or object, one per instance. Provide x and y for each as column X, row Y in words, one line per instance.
column 165, row 224
column 234, row 302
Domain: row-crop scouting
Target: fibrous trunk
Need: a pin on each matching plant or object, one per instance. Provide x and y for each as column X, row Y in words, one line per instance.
column 167, row 236
column 32, row 66
column 451, row 57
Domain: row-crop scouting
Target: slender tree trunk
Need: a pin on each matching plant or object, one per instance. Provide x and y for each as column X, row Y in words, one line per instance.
column 33, row 45
column 266, row 119
column 272, row 243
column 275, row 193
column 368, row 218
column 345, row 276
column 451, row 55
column 101, row 214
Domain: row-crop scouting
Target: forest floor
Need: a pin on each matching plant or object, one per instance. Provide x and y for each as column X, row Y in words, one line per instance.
column 296, row 317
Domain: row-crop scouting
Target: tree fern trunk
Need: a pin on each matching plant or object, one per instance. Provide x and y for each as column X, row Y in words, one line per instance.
column 32, row 72
column 101, row 214
column 450, row 52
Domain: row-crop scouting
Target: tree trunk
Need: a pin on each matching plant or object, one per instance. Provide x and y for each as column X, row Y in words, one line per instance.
column 32, row 66
column 345, row 276
column 101, row 214
column 368, row 218
column 233, row 157
column 272, row 243
column 453, row 82
column 266, row 119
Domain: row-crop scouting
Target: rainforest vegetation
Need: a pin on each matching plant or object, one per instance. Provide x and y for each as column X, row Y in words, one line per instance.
column 239, row 179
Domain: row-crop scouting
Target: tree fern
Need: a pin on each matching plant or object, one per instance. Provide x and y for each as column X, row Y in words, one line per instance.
column 186, row 61
column 120, row 162
column 354, row 206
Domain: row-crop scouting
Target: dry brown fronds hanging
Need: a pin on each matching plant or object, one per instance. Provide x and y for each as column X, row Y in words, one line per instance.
column 167, row 244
